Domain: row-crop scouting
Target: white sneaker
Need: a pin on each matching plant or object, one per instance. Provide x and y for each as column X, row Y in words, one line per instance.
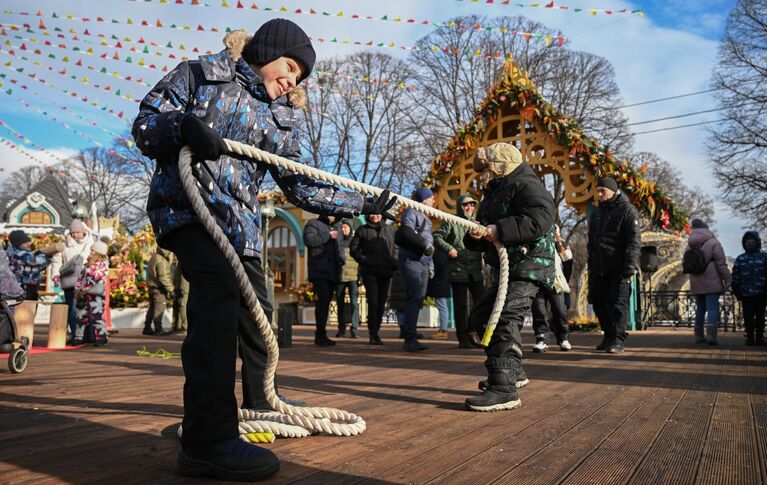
column 540, row 346
column 565, row 346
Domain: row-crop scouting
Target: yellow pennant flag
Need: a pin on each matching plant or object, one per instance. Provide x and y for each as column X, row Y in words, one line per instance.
column 224, row 4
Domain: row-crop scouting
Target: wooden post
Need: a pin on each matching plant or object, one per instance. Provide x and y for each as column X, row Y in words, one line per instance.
column 24, row 314
column 57, row 328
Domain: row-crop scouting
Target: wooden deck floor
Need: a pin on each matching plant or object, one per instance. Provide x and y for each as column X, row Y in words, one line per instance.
column 665, row 411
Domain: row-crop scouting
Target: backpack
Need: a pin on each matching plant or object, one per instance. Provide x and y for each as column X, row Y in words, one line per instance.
column 694, row 261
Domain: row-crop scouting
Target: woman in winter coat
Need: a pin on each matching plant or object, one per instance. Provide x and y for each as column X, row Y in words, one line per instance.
column 465, row 270
column 709, row 285
column 373, row 248
column 321, row 236
column 245, row 93
column 67, row 265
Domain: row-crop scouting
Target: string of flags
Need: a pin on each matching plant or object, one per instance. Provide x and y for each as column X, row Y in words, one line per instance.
column 21, row 150
column 84, row 99
column 128, row 59
column 552, row 6
column 549, row 39
column 29, row 142
column 353, row 16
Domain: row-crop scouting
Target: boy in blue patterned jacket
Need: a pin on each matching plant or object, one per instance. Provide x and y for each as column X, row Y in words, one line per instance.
column 749, row 283
column 241, row 93
column 28, row 266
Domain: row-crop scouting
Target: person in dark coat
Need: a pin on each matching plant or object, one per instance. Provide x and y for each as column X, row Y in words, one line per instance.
column 517, row 211
column 373, row 248
column 465, row 272
column 749, row 284
column 321, row 238
column 439, row 289
column 244, row 93
column 414, row 264
column 159, row 281
column 613, row 250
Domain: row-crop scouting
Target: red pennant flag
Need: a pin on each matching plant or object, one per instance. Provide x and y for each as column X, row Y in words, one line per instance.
column 47, row 42
column 312, row 11
column 560, row 40
column 42, row 26
column 39, row 13
column 411, row 21
column 505, row 2
column 158, row 23
column 152, row 66
column 79, row 63
column 144, row 23
column 254, row 6
column 86, row 32
column 103, row 56
column 180, row 2
column 171, row 56
column 141, row 40
column 425, row 22
column 196, row 50
column 165, row 69
column 128, row 78
column 120, row 114
column 99, row 19
column 550, row 5
column 119, row 45
column 63, row 71
column 239, row 4
column 298, row 11
column 526, row 36
column 200, row 27
column 23, row 47
column 116, row 57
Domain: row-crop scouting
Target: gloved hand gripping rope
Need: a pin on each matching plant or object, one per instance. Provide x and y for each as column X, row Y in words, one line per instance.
column 286, row 419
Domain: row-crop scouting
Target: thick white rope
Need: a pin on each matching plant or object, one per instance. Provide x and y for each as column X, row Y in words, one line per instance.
column 286, row 419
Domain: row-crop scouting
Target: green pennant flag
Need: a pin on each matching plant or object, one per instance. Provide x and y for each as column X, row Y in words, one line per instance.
column 75, row 48
column 385, row 17
column 169, row 45
column 55, row 16
column 228, row 29
column 10, row 91
column 103, row 70
column 128, row 60
column 56, row 29
column 577, row 9
column 146, row 50
column 51, row 56
column 117, row 92
column 114, row 21
column 114, row 37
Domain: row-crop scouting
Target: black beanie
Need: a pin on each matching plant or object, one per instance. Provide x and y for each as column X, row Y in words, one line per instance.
column 18, row 237
column 280, row 38
column 608, row 183
column 698, row 224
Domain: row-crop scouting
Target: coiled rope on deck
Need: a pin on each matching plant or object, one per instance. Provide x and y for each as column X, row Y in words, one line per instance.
column 286, row 419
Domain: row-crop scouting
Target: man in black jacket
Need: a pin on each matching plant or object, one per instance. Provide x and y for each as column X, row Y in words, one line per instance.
column 373, row 248
column 518, row 211
column 613, row 248
column 321, row 237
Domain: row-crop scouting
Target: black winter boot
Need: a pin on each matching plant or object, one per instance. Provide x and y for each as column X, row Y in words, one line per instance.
column 501, row 394
column 148, row 330
column 321, row 339
column 375, row 339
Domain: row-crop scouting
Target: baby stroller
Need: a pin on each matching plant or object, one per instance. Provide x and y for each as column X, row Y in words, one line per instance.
column 10, row 341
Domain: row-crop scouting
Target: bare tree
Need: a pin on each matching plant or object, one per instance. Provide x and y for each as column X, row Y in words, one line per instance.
column 738, row 146
column 21, row 181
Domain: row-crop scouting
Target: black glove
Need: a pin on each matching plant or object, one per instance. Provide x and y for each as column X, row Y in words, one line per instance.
column 380, row 205
column 204, row 142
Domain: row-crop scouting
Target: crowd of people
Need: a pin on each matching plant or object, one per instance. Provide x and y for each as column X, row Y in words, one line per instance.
column 247, row 93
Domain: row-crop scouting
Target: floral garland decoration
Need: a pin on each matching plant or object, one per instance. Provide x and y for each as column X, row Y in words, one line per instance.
column 532, row 107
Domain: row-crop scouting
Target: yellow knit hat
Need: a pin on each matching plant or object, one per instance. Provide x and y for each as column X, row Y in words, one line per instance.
column 499, row 158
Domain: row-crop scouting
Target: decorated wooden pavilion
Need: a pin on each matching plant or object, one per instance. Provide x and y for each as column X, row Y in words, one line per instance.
column 515, row 112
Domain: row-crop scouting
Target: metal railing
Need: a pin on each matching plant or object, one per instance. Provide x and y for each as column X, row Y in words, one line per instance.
column 677, row 309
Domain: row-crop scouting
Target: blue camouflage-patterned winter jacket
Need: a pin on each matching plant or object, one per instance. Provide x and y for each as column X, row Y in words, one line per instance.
column 749, row 273
column 224, row 92
column 28, row 266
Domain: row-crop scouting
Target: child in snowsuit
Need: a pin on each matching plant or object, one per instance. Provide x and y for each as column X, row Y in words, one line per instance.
column 241, row 93
column 749, row 283
column 90, row 296
column 518, row 211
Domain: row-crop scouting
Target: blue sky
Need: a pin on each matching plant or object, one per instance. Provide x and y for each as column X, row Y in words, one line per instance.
column 670, row 51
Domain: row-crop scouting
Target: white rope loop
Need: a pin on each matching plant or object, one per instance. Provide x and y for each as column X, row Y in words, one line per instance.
column 286, row 419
